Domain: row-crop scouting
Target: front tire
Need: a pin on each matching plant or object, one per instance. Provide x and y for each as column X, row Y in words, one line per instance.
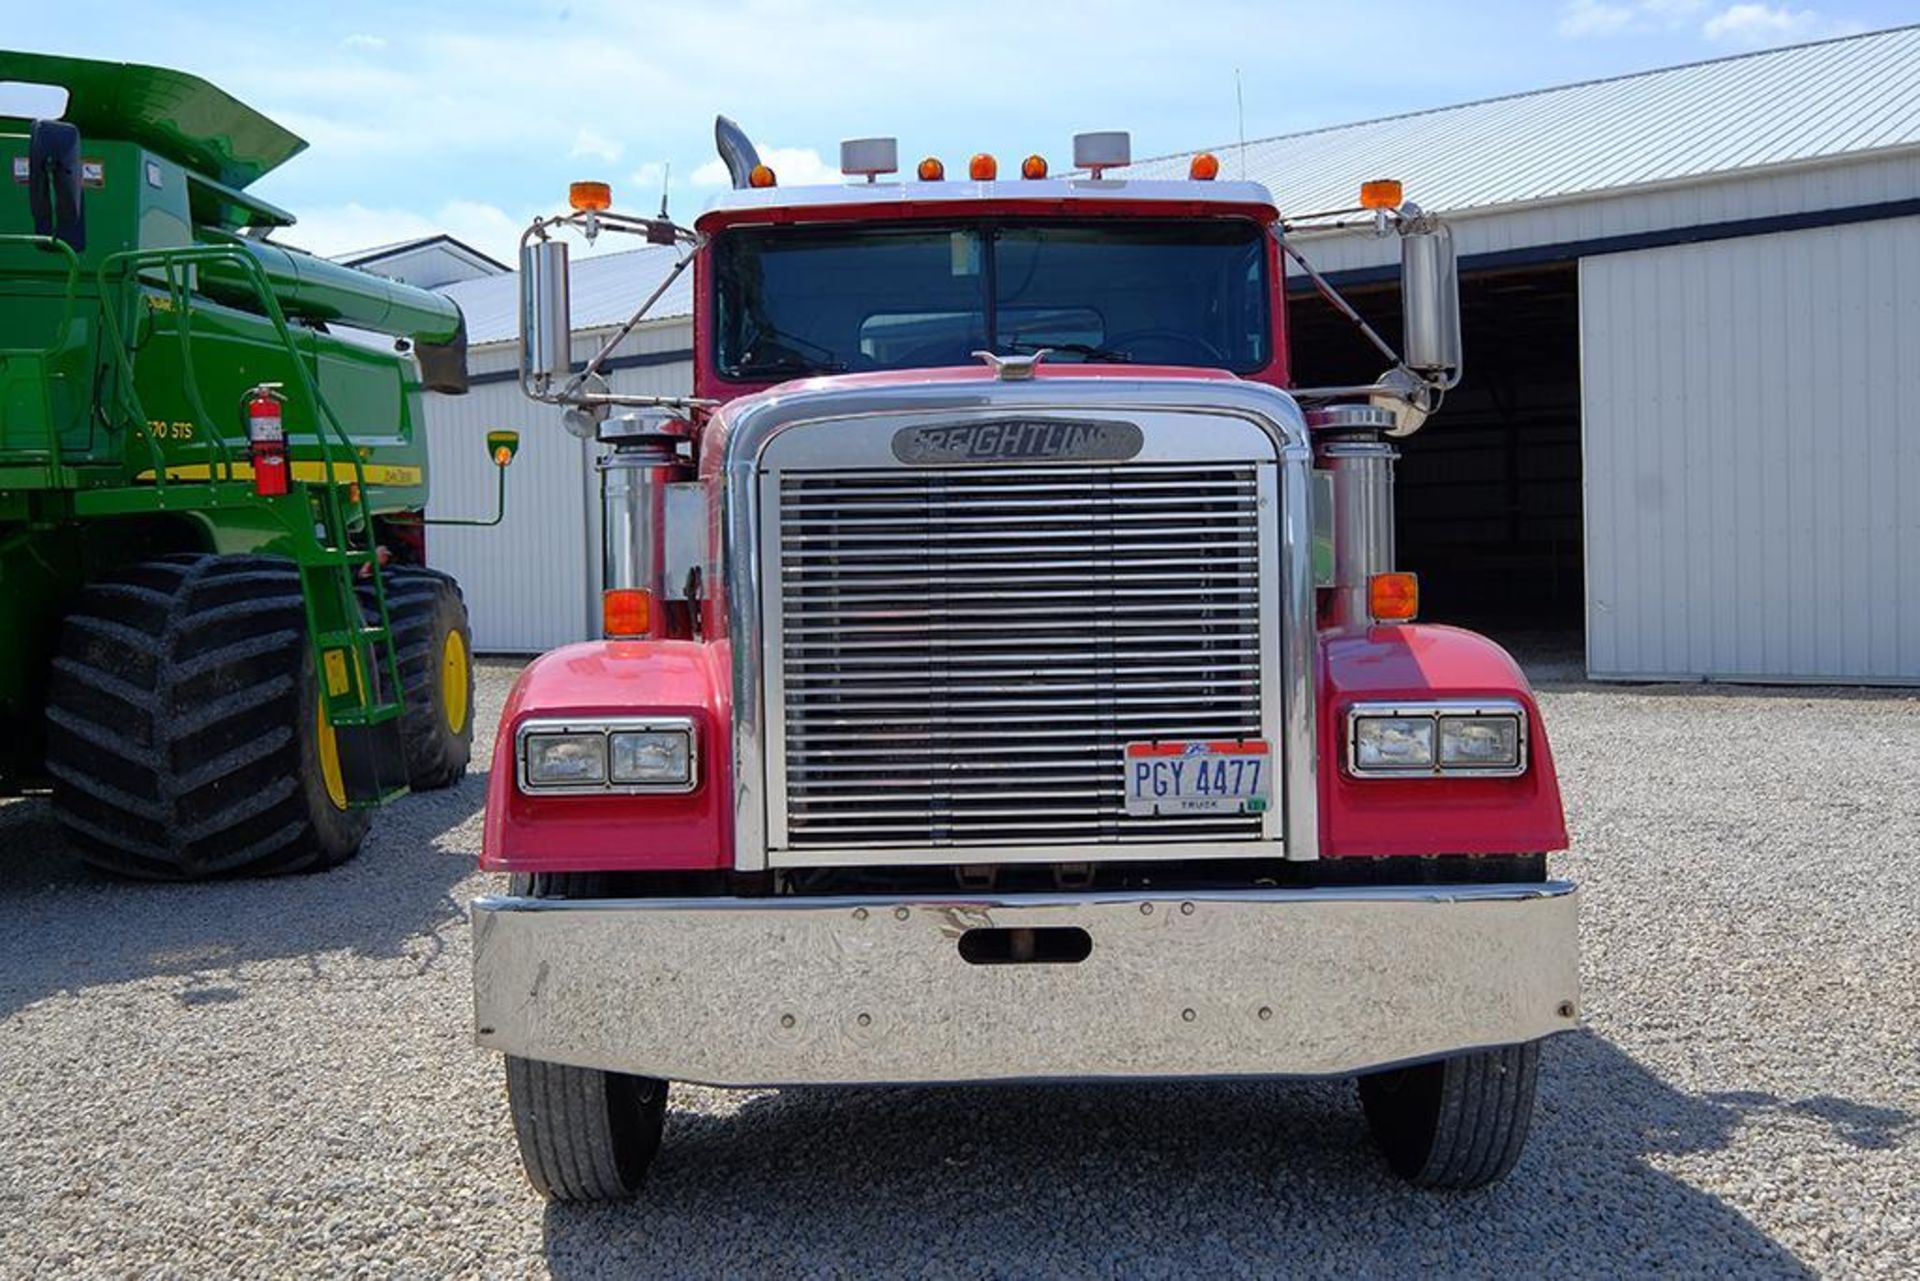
column 584, row 1134
column 433, row 648
column 185, row 732
column 1458, row 1124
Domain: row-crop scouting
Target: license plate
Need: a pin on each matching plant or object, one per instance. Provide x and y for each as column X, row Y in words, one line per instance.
column 1198, row 778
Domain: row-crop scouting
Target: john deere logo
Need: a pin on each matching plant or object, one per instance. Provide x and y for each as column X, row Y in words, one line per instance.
column 1017, row 440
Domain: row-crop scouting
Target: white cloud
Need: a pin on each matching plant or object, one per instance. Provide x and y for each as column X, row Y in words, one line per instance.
column 365, row 42
column 793, row 166
column 1749, row 23
column 593, row 145
column 1595, row 18
column 344, row 228
column 1759, row 24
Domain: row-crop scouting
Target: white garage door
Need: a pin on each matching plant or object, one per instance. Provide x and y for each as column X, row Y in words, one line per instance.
column 1752, row 442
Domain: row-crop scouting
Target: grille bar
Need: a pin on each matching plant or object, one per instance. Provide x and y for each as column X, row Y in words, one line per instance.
column 965, row 653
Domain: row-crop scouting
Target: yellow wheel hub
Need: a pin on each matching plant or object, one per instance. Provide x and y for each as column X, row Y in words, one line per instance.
column 328, row 750
column 453, row 682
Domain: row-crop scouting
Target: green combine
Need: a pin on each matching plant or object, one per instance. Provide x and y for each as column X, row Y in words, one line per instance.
column 218, row 648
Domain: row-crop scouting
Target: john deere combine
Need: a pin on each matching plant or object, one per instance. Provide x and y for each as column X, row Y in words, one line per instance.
column 218, row 640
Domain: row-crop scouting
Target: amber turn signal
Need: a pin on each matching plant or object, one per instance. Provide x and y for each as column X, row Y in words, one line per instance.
column 1393, row 598
column 626, row 612
column 1205, row 167
column 761, row 176
column 1381, row 193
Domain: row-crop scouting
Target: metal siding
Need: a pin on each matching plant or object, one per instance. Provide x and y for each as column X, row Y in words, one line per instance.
column 1752, row 497
column 1781, row 106
column 1832, row 184
column 531, row 581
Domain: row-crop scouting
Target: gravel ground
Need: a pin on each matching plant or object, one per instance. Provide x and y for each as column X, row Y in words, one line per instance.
column 275, row 1077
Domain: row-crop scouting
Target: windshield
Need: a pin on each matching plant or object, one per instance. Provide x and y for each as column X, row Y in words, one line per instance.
column 795, row 301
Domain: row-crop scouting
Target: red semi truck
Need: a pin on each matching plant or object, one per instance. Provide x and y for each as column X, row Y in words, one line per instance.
column 1006, row 677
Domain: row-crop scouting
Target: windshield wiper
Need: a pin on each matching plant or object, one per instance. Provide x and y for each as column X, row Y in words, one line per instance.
column 783, row 364
column 1083, row 350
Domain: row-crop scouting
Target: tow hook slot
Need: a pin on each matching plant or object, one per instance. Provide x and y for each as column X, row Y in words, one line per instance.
column 1041, row 945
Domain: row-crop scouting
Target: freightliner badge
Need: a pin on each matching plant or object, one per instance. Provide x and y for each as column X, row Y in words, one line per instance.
column 1017, row 440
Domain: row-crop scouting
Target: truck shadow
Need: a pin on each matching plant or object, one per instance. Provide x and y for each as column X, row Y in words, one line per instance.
column 1182, row 1179
column 70, row 928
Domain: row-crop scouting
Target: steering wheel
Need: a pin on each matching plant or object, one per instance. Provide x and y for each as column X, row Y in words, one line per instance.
column 1210, row 355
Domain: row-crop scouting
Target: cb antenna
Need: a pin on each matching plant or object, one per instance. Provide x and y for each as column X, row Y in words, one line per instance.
column 1240, row 109
column 666, row 177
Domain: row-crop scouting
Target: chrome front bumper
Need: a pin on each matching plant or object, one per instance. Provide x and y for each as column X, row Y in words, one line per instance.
column 788, row 991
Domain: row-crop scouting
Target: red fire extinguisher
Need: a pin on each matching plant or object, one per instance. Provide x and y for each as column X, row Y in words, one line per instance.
column 267, row 441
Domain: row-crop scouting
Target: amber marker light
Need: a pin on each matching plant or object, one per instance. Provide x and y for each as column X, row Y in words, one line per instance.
column 761, row 176
column 1393, row 598
column 1205, row 167
column 1033, row 167
column 931, row 170
column 589, row 197
column 983, row 167
column 1381, row 193
column 626, row 612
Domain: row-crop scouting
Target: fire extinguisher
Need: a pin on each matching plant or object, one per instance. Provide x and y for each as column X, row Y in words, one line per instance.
column 267, row 441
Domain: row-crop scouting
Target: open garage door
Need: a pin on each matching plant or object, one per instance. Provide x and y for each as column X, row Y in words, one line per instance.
column 1487, row 494
column 1753, row 457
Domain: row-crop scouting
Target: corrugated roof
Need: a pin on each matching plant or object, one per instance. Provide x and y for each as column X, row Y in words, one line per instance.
column 605, row 290
column 1782, row 106
column 361, row 257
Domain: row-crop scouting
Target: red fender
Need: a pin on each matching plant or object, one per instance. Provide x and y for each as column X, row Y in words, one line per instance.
column 693, row 831
column 1371, row 816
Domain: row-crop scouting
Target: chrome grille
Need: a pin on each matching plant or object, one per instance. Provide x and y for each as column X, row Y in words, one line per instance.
column 965, row 652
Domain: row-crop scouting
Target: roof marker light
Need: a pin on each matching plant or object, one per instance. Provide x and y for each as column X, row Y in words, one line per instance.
column 1381, row 193
column 1204, row 168
column 761, row 177
column 589, row 197
column 1033, row 167
column 983, row 167
column 931, row 170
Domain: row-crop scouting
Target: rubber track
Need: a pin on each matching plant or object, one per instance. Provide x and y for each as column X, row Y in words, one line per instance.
column 172, row 710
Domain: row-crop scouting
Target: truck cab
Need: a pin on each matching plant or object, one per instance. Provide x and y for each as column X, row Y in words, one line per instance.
column 1006, row 677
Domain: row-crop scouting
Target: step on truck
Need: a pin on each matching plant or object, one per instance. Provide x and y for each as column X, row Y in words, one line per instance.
column 1006, row 677
column 220, row 643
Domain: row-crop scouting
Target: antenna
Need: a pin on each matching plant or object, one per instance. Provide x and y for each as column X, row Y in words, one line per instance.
column 666, row 176
column 1240, row 109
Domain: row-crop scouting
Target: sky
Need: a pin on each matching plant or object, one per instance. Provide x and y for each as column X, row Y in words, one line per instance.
column 472, row 117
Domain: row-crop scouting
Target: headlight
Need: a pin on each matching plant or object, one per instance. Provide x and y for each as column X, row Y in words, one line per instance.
column 654, row 754
column 1479, row 742
column 1388, row 740
column 1393, row 742
column 566, row 760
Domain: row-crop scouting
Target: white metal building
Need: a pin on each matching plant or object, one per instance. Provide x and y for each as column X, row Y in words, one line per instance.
column 1692, row 314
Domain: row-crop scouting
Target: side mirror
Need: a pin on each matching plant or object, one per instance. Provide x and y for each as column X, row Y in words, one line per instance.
column 546, row 314
column 1430, row 297
column 502, row 446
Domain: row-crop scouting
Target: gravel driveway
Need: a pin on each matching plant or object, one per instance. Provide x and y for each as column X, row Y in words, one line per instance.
column 275, row 1077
